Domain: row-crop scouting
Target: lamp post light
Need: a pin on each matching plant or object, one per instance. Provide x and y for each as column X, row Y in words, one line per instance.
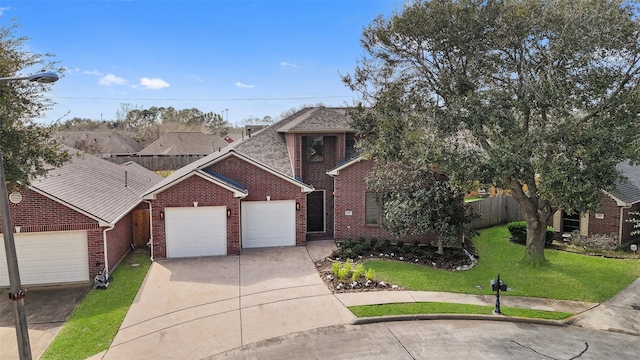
column 16, row 293
column 497, row 286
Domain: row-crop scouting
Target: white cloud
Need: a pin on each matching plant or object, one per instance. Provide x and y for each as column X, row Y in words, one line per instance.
column 153, row 84
column 284, row 63
column 196, row 78
column 241, row 85
column 111, row 79
column 92, row 72
column 3, row 9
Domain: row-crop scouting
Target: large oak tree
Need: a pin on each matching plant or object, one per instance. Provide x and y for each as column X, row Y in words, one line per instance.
column 539, row 97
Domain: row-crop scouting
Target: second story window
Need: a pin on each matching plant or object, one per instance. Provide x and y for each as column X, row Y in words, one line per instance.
column 315, row 148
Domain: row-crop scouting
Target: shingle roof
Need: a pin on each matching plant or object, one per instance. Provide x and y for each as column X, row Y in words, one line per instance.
column 109, row 142
column 269, row 147
column 628, row 191
column 185, row 143
column 97, row 186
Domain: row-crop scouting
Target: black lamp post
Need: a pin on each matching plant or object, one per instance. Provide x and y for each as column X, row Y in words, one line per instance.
column 498, row 285
column 16, row 293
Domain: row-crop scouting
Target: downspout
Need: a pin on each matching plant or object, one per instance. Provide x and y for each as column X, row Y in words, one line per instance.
column 104, row 242
column 150, row 228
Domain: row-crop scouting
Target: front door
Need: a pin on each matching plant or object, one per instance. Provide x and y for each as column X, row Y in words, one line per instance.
column 315, row 211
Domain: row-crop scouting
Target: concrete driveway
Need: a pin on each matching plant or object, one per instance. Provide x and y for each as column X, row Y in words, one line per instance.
column 194, row 308
column 47, row 308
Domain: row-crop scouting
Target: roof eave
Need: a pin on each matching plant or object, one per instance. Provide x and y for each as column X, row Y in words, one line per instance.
column 336, row 171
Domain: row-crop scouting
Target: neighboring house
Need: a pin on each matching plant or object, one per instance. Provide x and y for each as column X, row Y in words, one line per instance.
column 614, row 212
column 79, row 218
column 275, row 188
column 100, row 143
column 176, row 149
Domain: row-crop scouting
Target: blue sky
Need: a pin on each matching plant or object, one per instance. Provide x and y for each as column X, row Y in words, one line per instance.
column 254, row 58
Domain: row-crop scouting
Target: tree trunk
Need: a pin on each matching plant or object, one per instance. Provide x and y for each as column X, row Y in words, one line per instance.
column 536, row 236
column 537, row 213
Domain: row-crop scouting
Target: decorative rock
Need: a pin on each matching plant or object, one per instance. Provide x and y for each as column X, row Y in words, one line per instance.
column 401, row 258
column 479, row 287
column 368, row 283
column 329, row 277
column 382, row 283
column 354, row 284
column 359, row 257
column 386, row 255
column 392, row 255
column 394, row 286
column 434, row 264
column 417, row 260
column 381, row 254
column 371, row 255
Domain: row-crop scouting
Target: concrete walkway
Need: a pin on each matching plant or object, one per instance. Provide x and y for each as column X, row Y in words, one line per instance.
column 194, row 308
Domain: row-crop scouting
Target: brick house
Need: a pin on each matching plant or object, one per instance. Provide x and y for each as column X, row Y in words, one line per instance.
column 614, row 212
column 277, row 187
column 77, row 219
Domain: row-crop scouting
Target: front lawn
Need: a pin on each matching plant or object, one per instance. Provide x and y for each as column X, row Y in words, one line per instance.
column 96, row 320
column 448, row 308
column 568, row 276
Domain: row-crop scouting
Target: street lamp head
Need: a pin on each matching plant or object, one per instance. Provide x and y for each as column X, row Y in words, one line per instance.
column 44, row 77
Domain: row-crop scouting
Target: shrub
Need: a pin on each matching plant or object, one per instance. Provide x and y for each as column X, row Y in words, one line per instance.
column 369, row 274
column 375, row 246
column 361, row 240
column 348, row 266
column 416, row 244
column 335, row 268
column 348, row 253
column 342, row 274
column 595, row 241
column 400, row 244
column 386, row 243
column 347, row 243
column 518, row 231
column 366, row 245
column 358, row 271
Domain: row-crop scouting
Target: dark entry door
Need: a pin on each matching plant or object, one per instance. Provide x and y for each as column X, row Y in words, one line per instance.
column 315, row 211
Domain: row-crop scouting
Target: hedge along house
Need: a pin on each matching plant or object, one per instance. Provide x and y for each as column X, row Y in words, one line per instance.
column 614, row 213
column 77, row 219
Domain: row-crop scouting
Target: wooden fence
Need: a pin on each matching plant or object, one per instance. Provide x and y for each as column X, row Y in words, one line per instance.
column 494, row 211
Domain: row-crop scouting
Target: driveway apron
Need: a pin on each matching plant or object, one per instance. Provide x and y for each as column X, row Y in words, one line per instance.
column 198, row 307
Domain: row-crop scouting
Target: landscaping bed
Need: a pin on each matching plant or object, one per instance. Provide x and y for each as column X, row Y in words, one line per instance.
column 340, row 270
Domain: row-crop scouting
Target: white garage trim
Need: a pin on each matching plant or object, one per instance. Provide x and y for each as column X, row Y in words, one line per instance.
column 268, row 223
column 196, row 231
column 49, row 258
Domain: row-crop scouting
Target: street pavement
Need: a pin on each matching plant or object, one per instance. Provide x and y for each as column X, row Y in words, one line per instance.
column 443, row 339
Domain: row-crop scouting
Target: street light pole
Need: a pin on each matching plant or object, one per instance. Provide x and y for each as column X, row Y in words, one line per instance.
column 16, row 293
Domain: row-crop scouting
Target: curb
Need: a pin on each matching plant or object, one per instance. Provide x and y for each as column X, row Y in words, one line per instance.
column 514, row 319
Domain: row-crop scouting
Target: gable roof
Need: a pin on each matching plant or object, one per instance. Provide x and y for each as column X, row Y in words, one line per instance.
column 186, row 143
column 336, row 171
column 199, row 167
column 269, row 146
column 98, row 188
column 627, row 192
column 109, row 142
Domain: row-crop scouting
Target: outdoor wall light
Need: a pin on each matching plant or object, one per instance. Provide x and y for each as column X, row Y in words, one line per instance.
column 161, row 214
column 297, row 206
column 228, row 213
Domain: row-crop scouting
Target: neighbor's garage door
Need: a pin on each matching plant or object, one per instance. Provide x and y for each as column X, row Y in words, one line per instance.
column 268, row 223
column 48, row 258
column 196, row 231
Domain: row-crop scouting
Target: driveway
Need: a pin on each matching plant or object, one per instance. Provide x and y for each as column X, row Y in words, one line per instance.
column 47, row 308
column 199, row 307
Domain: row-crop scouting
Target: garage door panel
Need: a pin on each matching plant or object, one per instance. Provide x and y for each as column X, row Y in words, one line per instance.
column 48, row 258
column 196, row 231
column 268, row 223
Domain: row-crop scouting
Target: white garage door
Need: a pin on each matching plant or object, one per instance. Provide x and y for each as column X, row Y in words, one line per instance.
column 268, row 223
column 196, row 231
column 48, row 257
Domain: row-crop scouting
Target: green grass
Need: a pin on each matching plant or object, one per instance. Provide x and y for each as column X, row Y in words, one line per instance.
column 449, row 308
column 568, row 276
column 96, row 320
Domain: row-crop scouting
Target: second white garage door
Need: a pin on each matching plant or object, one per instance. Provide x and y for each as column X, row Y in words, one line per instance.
column 196, row 231
column 268, row 223
column 48, row 257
